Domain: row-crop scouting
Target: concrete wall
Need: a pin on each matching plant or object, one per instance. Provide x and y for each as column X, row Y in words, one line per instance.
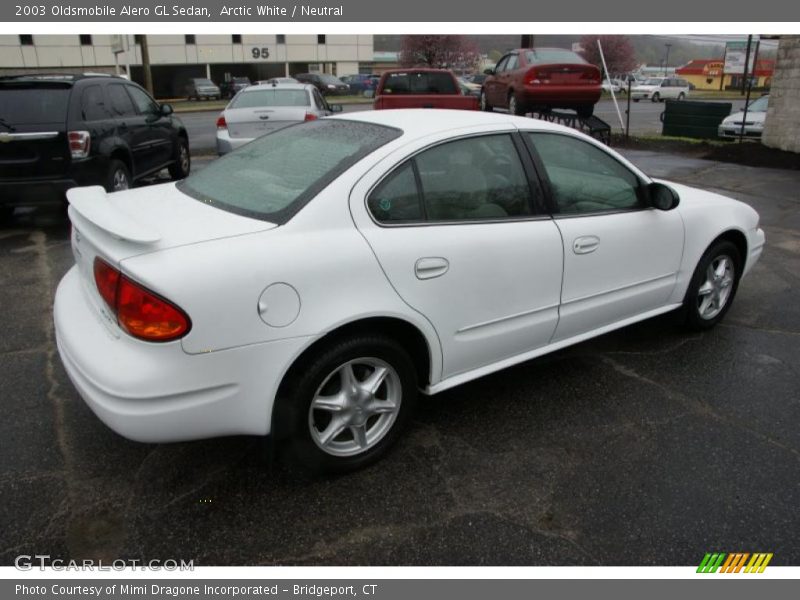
column 782, row 127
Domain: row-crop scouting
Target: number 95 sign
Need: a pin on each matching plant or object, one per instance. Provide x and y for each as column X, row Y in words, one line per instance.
column 260, row 52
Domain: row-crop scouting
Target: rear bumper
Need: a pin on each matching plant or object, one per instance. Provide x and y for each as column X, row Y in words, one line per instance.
column 561, row 96
column 226, row 143
column 159, row 393
column 35, row 191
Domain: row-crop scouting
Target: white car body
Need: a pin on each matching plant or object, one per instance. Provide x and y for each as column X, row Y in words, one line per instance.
column 484, row 295
column 660, row 89
column 612, row 85
column 753, row 125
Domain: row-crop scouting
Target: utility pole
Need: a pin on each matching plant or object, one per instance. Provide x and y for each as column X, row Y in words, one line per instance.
column 526, row 42
column 148, row 76
column 666, row 60
column 746, row 63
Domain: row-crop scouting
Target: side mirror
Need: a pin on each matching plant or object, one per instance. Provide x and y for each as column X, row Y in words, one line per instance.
column 166, row 110
column 662, row 196
column 335, row 108
column 488, row 71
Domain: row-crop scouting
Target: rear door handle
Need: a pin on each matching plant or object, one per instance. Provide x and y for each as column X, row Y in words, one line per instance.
column 431, row 267
column 585, row 244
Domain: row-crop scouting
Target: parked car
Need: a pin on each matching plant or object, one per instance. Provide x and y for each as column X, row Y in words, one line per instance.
column 279, row 80
column 328, row 85
column 261, row 109
column 234, row 85
column 308, row 285
column 421, row 88
column 753, row 126
column 542, row 79
column 478, row 78
column 470, row 88
column 62, row 131
column 614, row 85
column 658, row 89
column 360, row 83
column 200, row 88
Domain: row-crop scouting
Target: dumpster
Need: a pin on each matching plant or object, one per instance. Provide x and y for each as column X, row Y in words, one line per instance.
column 694, row 119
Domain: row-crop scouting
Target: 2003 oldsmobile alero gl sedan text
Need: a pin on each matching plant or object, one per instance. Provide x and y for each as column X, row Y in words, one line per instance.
column 309, row 284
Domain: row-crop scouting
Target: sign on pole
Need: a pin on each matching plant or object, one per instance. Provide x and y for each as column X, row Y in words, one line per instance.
column 735, row 57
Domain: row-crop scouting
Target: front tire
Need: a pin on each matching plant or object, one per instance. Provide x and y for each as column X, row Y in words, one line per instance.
column 585, row 111
column 348, row 404
column 713, row 286
column 485, row 106
column 656, row 97
column 681, row 96
column 183, row 161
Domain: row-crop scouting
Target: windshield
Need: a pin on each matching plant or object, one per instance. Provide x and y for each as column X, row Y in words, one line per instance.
column 270, row 97
column 653, row 82
column 545, row 56
column 759, row 105
column 329, row 79
column 33, row 104
column 274, row 176
column 203, row 82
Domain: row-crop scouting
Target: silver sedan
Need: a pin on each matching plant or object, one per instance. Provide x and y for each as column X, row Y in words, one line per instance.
column 261, row 109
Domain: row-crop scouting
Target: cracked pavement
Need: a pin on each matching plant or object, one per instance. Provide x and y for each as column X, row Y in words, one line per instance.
column 648, row 445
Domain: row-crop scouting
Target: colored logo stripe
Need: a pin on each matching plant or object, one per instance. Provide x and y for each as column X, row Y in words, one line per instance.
column 734, row 562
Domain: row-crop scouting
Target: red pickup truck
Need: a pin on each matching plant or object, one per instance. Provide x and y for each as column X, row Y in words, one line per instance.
column 421, row 88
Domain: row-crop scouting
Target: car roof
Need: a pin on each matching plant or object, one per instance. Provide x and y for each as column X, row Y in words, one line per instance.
column 58, row 77
column 419, row 122
column 277, row 86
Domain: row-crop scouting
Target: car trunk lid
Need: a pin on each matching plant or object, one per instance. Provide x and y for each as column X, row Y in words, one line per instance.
column 255, row 122
column 567, row 74
column 150, row 219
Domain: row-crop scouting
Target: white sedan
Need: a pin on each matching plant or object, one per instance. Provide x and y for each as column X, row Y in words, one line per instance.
column 311, row 283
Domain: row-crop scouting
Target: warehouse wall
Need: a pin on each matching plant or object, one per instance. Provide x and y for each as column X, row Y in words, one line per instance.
column 782, row 127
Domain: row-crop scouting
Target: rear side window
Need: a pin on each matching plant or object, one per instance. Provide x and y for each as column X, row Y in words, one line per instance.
column 33, row 104
column 274, row 176
column 474, row 179
column 120, row 102
column 273, row 97
column 93, row 106
column 419, row 83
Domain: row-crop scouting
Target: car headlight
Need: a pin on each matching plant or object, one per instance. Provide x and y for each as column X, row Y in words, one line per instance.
column 331, row 86
column 758, row 124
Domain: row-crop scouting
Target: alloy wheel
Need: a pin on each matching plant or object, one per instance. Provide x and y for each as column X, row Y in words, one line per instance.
column 715, row 291
column 355, row 407
column 120, row 181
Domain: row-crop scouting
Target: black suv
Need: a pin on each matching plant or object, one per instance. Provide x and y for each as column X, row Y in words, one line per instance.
column 62, row 131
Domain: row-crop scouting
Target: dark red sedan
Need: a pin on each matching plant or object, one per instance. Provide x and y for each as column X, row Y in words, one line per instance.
column 542, row 79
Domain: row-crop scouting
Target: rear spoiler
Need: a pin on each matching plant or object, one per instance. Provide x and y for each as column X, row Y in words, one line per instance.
column 93, row 204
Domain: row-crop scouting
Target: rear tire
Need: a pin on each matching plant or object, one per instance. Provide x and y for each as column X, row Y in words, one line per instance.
column 713, row 286
column 656, row 97
column 681, row 96
column 515, row 107
column 183, row 161
column 368, row 424
column 119, row 177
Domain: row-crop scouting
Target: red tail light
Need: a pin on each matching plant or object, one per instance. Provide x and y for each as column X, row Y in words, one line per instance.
column 221, row 124
column 79, row 143
column 535, row 76
column 140, row 312
column 311, row 117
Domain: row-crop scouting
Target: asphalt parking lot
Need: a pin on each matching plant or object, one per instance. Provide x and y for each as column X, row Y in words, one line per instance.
column 645, row 446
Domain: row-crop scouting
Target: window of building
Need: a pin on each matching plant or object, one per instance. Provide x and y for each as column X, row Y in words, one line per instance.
column 280, row 39
column 321, row 39
column 26, row 40
column 86, row 40
column 236, row 38
column 189, row 39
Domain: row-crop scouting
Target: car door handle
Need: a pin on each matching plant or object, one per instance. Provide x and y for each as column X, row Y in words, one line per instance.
column 431, row 267
column 585, row 244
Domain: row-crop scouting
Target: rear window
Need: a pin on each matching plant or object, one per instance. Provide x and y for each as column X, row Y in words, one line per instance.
column 546, row 56
column 31, row 105
column 274, row 97
column 419, row 83
column 274, row 176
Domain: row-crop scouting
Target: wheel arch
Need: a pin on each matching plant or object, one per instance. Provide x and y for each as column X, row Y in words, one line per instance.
column 738, row 239
column 403, row 331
